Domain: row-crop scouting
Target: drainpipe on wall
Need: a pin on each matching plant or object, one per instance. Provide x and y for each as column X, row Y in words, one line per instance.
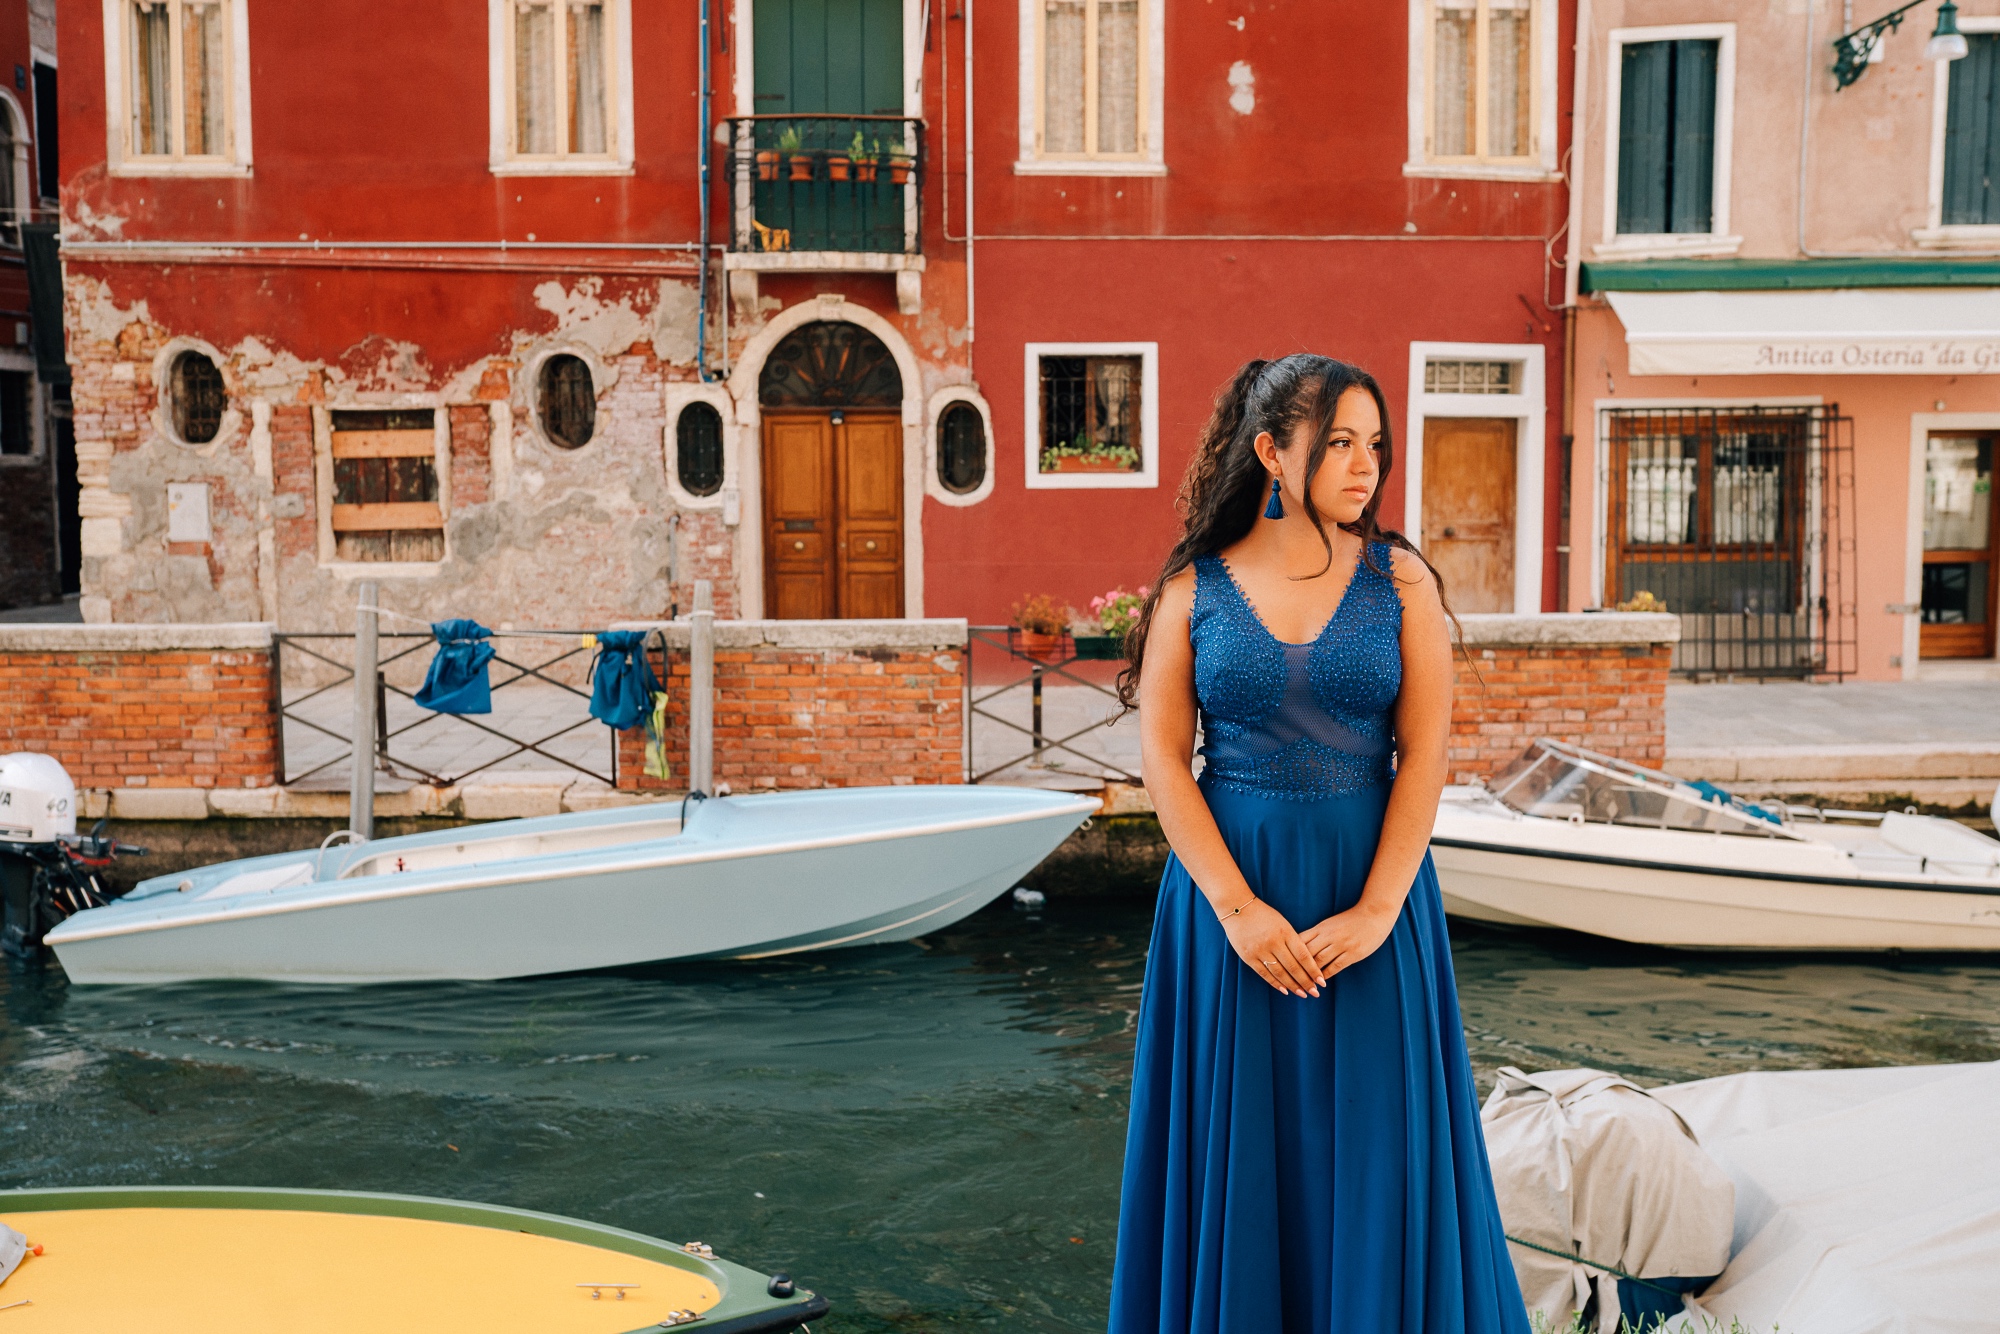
column 968, row 189
column 701, row 299
column 1579, row 142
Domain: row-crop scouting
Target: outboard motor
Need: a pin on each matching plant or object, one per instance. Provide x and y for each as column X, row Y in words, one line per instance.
column 46, row 871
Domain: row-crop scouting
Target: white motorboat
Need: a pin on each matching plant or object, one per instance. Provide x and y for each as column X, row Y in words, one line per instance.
column 743, row 877
column 1568, row 838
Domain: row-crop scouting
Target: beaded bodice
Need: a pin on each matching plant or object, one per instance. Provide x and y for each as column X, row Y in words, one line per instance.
column 1302, row 721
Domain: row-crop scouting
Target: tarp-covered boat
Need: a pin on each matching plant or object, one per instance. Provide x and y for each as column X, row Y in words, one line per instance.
column 1569, row 838
column 744, row 877
column 222, row 1260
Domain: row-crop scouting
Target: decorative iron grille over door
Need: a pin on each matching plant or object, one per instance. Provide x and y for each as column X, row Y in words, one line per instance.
column 1741, row 520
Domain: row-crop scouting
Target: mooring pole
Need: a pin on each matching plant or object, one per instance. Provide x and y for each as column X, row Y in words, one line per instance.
column 701, row 690
column 361, row 792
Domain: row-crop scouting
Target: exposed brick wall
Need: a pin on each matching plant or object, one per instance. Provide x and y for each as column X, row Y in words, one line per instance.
column 471, row 455
column 796, row 718
column 1604, row 697
column 294, row 483
column 188, row 718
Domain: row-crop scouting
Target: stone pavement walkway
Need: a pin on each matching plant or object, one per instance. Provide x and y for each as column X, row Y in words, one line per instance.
column 446, row 746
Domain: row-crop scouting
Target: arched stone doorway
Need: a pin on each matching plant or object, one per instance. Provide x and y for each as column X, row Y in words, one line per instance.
column 830, row 397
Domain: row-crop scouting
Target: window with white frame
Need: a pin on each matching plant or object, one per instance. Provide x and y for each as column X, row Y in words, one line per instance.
column 1090, row 84
column 174, row 71
column 1093, row 414
column 562, row 84
column 1669, row 94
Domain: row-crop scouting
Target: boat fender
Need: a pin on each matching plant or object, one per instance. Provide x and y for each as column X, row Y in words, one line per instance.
column 780, row 1285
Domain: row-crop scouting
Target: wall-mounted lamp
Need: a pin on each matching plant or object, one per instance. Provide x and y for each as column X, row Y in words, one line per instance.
column 1852, row 51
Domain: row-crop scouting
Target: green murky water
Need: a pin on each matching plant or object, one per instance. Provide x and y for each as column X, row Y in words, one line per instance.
column 929, row 1134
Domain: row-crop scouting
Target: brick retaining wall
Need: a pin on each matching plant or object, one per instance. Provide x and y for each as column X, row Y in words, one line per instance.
column 804, row 704
column 134, row 706
column 1596, row 680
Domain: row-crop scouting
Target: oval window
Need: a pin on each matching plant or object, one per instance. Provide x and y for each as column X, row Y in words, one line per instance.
column 698, row 449
column 568, row 401
column 961, row 449
column 197, row 398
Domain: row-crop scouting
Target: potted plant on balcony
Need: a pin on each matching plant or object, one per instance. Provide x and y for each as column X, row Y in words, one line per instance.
column 901, row 164
column 767, row 164
column 1040, row 623
column 1114, row 613
column 837, row 164
column 800, row 162
column 1086, row 455
column 863, row 157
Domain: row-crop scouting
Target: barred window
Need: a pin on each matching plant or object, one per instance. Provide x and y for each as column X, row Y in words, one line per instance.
column 196, row 397
column 567, row 401
column 961, row 458
column 698, row 449
column 1090, row 415
column 1472, row 377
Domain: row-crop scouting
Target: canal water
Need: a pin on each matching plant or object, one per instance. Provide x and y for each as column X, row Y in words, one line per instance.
column 930, row 1134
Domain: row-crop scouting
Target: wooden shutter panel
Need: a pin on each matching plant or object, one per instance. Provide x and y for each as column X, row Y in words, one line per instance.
column 1644, row 97
column 1691, row 194
column 1970, row 142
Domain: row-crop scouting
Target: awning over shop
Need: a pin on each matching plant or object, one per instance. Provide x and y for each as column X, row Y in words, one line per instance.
column 1867, row 331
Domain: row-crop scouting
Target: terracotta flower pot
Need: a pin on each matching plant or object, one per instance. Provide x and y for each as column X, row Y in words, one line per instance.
column 1086, row 463
column 802, row 167
column 899, row 170
column 864, row 170
column 767, row 164
column 836, row 166
column 1039, row 646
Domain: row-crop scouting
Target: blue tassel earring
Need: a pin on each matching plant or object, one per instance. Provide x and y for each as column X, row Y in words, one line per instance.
column 1276, row 509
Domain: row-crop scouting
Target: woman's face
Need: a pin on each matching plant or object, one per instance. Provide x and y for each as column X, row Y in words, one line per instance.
column 1351, row 469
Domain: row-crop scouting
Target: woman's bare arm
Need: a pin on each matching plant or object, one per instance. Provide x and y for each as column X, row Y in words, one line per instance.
column 1423, row 722
column 1168, row 711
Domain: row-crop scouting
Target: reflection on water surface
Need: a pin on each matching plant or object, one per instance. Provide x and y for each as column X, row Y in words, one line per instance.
column 930, row 1134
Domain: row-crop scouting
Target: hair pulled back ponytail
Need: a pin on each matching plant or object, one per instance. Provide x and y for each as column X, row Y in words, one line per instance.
column 1222, row 492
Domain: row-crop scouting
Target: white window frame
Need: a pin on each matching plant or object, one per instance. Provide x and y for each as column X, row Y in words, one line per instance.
column 1934, row 234
column 1529, row 408
column 120, row 159
column 934, row 487
column 727, row 497
column 37, row 455
column 1149, row 418
column 1539, row 164
column 502, row 159
column 1150, row 160
column 1718, row 240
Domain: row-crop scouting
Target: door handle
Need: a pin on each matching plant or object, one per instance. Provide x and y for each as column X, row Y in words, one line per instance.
column 871, row 545
column 1451, row 532
column 798, row 545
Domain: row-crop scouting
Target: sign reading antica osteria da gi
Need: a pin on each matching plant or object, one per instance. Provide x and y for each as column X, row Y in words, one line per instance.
column 1685, row 355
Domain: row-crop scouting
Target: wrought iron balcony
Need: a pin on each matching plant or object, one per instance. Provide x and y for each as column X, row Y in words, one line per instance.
column 825, row 185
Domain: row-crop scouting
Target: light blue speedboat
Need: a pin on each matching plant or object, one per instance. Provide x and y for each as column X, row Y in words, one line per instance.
column 745, row 877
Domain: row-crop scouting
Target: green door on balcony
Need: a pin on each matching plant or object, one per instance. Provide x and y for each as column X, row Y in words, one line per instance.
column 825, row 179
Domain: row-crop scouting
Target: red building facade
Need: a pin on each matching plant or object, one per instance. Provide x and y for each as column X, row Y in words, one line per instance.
column 431, row 307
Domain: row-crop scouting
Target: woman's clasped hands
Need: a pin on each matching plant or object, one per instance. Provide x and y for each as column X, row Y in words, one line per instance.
column 1300, row 963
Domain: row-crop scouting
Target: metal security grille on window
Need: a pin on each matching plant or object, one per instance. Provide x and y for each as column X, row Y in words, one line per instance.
column 1091, row 78
column 568, row 401
column 1090, row 415
column 1666, row 137
column 562, row 81
column 198, row 398
column 1972, row 136
column 1472, row 377
column 177, row 78
column 961, row 449
column 1482, row 79
column 385, row 487
column 698, row 449
column 1741, row 521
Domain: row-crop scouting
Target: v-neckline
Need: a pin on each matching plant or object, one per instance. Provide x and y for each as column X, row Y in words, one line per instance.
column 1360, row 559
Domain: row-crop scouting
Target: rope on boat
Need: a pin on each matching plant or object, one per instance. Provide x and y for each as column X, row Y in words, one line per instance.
column 1592, row 1264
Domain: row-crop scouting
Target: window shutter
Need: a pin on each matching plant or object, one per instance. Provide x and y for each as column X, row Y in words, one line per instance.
column 1644, row 110
column 1691, row 201
column 1970, row 141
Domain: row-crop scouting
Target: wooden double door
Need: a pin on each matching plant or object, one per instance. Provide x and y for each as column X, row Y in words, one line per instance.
column 833, row 514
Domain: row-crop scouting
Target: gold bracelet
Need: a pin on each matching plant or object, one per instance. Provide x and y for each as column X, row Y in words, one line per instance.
column 1237, row 909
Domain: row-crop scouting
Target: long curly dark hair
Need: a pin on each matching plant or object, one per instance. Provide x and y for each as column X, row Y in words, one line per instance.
column 1224, row 489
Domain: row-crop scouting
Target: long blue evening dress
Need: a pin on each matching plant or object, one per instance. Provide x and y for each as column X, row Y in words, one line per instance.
column 1304, row 1166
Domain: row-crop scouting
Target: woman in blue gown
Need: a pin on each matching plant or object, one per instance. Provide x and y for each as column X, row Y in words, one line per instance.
column 1305, row 1154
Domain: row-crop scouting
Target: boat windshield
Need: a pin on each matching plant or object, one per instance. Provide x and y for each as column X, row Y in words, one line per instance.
column 1562, row 782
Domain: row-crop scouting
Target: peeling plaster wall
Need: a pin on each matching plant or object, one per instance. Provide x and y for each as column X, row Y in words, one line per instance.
column 536, row 534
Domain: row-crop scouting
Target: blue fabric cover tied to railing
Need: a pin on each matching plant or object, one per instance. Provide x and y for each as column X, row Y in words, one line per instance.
column 457, row 681
column 622, row 680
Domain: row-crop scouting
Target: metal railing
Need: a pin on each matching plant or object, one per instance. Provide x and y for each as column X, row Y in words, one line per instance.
column 1740, row 520
column 825, row 183
column 1004, row 650
column 316, row 655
